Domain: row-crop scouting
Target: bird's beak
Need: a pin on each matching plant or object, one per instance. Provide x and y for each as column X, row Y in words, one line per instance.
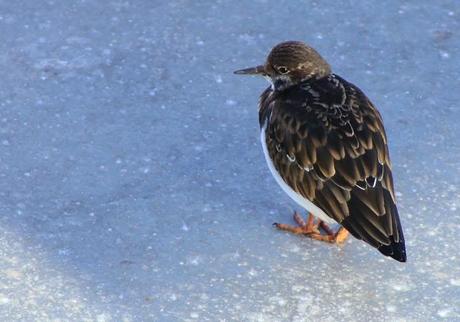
column 258, row 70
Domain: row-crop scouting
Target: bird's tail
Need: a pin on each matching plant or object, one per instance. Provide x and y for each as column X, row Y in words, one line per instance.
column 397, row 248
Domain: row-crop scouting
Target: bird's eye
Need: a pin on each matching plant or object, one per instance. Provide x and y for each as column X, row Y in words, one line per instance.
column 282, row 69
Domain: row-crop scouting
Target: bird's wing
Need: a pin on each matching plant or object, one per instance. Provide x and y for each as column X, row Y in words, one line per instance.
column 328, row 143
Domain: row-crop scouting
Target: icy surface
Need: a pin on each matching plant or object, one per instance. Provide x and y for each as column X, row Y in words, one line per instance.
column 133, row 185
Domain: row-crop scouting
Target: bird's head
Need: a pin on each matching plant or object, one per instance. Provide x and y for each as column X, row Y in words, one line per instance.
column 289, row 63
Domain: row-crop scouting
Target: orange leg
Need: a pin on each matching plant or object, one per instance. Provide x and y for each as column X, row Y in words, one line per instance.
column 312, row 229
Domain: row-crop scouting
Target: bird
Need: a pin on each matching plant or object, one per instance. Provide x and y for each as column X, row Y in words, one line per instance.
column 326, row 146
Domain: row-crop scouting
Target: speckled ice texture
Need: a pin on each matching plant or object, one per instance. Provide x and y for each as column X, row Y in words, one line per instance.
column 133, row 186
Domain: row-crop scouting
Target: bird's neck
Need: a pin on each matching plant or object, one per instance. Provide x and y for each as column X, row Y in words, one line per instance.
column 282, row 83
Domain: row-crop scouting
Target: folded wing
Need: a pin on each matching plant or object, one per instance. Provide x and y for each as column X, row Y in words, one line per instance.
column 328, row 143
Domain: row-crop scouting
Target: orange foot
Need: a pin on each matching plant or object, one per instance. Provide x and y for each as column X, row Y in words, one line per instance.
column 312, row 229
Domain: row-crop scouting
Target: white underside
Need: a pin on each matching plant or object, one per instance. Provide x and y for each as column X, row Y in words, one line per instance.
column 299, row 199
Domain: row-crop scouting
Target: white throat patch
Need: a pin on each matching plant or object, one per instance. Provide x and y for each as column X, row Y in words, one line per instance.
column 280, row 82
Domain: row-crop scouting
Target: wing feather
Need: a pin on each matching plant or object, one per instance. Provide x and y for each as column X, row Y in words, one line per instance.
column 333, row 151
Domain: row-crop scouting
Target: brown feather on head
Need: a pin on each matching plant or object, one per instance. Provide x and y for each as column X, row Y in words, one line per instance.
column 289, row 63
column 296, row 58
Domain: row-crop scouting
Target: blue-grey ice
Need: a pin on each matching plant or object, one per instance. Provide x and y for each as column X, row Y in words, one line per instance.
column 132, row 182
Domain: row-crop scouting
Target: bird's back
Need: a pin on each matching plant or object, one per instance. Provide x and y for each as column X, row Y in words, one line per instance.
column 327, row 142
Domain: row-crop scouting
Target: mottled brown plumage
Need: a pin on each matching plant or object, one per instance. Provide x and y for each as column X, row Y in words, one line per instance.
column 327, row 142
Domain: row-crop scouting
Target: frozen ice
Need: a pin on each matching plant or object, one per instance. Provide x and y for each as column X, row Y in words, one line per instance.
column 133, row 186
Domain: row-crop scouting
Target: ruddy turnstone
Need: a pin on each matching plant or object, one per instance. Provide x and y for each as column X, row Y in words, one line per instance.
column 326, row 146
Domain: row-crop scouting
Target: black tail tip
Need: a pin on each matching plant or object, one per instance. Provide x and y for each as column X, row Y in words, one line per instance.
column 395, row 250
